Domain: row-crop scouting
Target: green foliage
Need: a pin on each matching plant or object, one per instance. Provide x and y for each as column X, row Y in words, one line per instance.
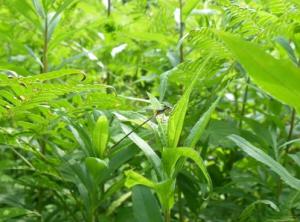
column 199, row 127
column 248, row 211
column 149, row 110
column 267, row 160
column 145, row 205
column 267, row 72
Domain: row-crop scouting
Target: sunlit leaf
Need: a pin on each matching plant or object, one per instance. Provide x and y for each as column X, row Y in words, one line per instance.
column 277, row 77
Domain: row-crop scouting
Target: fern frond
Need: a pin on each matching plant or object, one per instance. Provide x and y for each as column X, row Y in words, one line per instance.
column 206, row 42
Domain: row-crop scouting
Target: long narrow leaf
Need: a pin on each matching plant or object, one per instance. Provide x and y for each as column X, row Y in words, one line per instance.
column 144, row 146
column 39, row 8
column 262, row 157
column 177, row 117
column 248, row 211
column 199, row 127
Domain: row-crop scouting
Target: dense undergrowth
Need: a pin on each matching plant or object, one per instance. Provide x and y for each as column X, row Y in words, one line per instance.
column 149, row 110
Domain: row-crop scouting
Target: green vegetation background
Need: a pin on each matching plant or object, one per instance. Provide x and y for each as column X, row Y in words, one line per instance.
column 149, row 110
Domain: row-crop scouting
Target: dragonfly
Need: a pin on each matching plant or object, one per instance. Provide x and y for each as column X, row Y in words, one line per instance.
column 156, row 113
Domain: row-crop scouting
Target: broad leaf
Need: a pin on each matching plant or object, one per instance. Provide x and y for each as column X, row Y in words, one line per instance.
column 97, row 167
column 279, row 78
column 145, row 206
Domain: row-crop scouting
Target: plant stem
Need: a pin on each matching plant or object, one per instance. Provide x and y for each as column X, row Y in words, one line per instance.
column 244, row 103
column 167, row 215
column 108, row 80
column 181, row 214
column 45, row 47
column 96, row 219
column 292, row 124
column 108, row 7
column 181, row 30
column 44, row 69
column 108, row 75
column 236, row 99
column 279, row 189
column 291, row 130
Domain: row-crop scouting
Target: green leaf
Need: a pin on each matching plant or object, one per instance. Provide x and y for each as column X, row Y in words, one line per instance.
column 145, row 206
column 171, row 156
column 61, row 8
column 117, row 203
column 133, row 179
column 96, row 167
column 39, row 8
column 25, row 9
column 176, row 120
column 54, row 75
column 101, row 136
column 277, row 77
column 200, row 126
column 52, row 25
column 188, row 8
column 14, row 68
column 155, row 104
column 144, row 146
column 286, row 45
column 164, row 83
column 189, row 185
column 262, row 157
column 151, row 36
column 125, row 214
column 249, row 210
column 296, row 158
column 34, row 56
column 164, row 190
column 83, row 139
column 12, row 212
